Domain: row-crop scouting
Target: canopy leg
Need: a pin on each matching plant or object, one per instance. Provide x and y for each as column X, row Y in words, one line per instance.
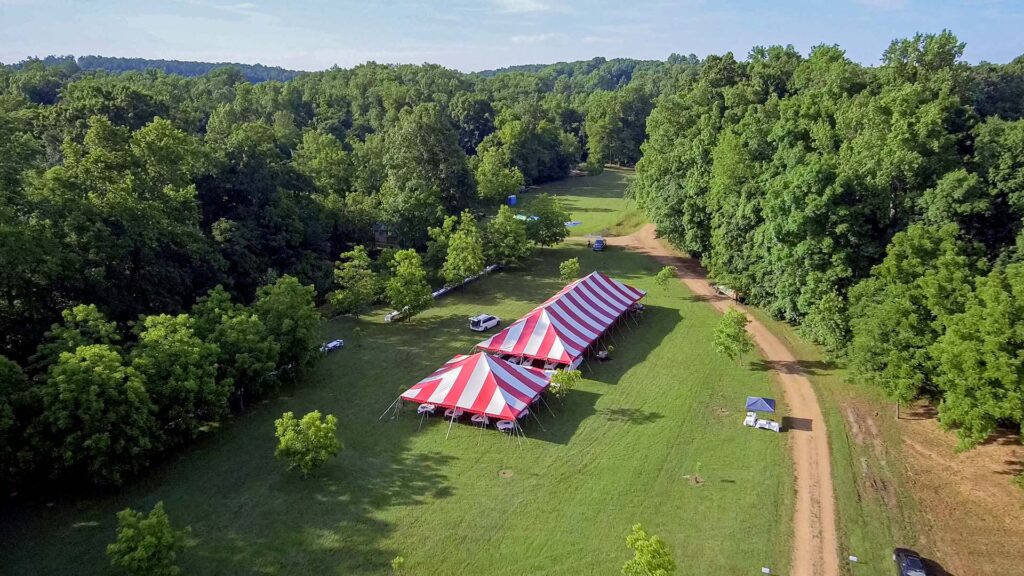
column 388, row 409
column 546, row 405
column 521, row 435
column 422, row 416
column 538, row 420
column 450, row 427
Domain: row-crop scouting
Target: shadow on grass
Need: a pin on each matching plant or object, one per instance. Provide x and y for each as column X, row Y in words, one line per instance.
column 633, row 416
column 805, row 367
column 560, row 427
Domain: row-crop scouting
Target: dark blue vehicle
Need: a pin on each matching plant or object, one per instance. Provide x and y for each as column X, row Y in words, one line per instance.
column 908, row 563
column 599, row 245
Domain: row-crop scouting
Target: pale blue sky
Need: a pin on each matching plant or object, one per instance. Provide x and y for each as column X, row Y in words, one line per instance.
column 474, row 35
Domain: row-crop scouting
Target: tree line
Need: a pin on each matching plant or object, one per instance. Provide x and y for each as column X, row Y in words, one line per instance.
column 878, row 207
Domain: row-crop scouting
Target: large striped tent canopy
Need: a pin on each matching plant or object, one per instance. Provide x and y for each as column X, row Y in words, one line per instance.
column 561, row 329
column 480, row 384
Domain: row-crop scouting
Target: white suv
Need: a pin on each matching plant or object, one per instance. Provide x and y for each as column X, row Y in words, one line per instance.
column 482, row 322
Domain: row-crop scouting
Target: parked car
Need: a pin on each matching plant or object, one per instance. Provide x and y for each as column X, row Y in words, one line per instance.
column 908, row 563
column 332, row 345
column 482, row 322
column 599, row 245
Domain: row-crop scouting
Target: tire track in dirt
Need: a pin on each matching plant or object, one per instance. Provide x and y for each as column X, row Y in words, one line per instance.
column 815, row 551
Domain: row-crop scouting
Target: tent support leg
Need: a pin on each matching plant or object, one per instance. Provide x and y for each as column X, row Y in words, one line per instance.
column 538, row 420
column 388, row 409
column 450, row 427
column 546, row 405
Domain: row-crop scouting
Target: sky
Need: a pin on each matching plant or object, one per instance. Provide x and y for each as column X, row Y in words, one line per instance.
column 474, row 35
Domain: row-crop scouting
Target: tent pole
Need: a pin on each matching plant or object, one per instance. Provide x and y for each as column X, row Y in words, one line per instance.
column 538, row 420
column 546, row 405
column 388, row 409
column 450, row 425
column 521, row 434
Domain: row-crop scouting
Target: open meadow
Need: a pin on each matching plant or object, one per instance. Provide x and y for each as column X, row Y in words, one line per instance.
column 618, row 451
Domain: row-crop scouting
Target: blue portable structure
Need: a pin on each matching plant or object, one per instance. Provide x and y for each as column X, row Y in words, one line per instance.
column 512, row 200
column 759, row 404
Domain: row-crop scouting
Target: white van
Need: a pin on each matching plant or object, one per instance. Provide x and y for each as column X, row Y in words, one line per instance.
column 482, row 322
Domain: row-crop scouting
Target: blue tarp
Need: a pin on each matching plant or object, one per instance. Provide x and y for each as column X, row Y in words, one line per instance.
column 758, row 404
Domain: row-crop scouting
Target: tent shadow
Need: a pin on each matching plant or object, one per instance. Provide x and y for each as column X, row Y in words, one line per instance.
column 633, row 343
column 798, row 424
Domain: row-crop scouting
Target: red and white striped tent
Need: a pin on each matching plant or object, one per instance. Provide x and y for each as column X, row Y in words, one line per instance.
column 561, row 329
column 480, row 384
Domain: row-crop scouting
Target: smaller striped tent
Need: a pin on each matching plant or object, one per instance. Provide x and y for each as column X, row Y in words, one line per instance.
column 480, row 384
column 561, row 329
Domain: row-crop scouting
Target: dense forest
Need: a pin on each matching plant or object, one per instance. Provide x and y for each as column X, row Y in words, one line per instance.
column 880, row 208
column 169, row 242
column 251, row 72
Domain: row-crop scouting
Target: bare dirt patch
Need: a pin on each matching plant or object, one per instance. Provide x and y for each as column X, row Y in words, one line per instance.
column 971, row 512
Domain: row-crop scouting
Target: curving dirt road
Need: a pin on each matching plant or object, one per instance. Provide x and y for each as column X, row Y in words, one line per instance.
column 814, row 519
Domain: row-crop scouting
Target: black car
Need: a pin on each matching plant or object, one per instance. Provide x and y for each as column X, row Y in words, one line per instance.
column 908, row 563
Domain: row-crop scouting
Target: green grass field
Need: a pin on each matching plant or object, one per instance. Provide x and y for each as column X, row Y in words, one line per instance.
column 615, row 453
column 597, row 202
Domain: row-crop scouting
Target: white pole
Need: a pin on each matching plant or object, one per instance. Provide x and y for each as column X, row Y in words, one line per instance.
column 454, row 412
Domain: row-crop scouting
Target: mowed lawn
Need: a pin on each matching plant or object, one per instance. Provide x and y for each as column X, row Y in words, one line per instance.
column 615, row 453
column 597, row 203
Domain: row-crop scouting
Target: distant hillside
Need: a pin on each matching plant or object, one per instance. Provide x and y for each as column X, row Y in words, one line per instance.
column 252, row 72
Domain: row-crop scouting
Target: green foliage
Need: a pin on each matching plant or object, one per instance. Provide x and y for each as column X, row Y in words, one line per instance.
column 731, row 338
column 287, row 309
column 147, row 544
column 548, row 226
column 13, row 385
column 306, row 444
column 569, row 270
column 407, row 288
column 505, row 240
column 564, row 381
column 651, row 556
column 96, row 420
column 665, row 275
column 495, row 181
column 981, row 373
column 397, row 564
column 358, row 286
column 180, row 374
column 465, row 251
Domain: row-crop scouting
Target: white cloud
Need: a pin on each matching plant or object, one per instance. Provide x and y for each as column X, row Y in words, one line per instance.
column 601, row 40
column 537, row 38
column 526, row 6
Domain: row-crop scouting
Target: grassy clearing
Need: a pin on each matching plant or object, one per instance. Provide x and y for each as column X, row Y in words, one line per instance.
column 863, row 473
column 616, row 453
column 597, row 202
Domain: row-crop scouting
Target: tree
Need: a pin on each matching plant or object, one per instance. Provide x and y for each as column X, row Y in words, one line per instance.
column 563, row 381
column 651, row 556
column 407, row 288
column 357, row 283
column 731, row 337
column 287, row 309
column 179, row 371
column 83, row 324
column 147, row 545
column 981, row 372
column 465, row 251
column 495, row 181
column 505, row 240
column 96, row 420
column 546, row 224
column 13, row 385
column 307, row 443
column 665, row 275
column 569, row 270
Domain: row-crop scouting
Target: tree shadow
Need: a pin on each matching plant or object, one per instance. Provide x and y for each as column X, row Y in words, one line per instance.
column 803, row 367
column 634, row 416
column 799, row 424
column 935, row 569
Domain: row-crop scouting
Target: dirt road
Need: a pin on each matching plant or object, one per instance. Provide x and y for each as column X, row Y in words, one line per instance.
column 814, row 519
